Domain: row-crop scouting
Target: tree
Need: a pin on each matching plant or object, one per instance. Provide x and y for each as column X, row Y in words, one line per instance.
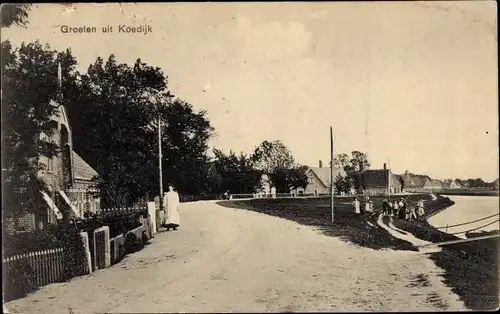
column 237, row 173
column 14, row 14
column 275, row 160
column 402, row 182
column 29, row 86
column 126, row 102
column 342, row 161
column 359, row 161
column 272, row 156
column 476, row 183
column 298, row 177
column 285, row 179
column 343, row 184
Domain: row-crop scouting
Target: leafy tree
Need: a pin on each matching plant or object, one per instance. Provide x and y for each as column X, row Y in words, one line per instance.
column 298, row 177
column 29, row 86
column 476, row 183
column 359, row 161
column 272, row 156
column 275, row 160
column 343, row 184
column 14, row 14
column 402, row 182
column 121, row 104
column 285, row 179
column 342, row 161
column 236, row 173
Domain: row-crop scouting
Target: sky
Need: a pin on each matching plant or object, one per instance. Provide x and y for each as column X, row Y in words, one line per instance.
column 412, row 84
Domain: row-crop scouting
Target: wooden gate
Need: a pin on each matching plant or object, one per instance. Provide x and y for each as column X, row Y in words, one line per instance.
column 100, row 254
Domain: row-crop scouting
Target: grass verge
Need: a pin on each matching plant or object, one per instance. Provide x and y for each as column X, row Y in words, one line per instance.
column 471, row 268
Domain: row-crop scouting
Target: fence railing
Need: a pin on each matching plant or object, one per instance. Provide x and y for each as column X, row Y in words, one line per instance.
column 47, row 265
column 121, row 211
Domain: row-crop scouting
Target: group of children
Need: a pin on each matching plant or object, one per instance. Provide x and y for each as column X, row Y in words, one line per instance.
column 392, row 208
column 401, row 210
column 367, row 208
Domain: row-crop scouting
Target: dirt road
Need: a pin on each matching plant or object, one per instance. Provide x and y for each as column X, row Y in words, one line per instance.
column 227, row 260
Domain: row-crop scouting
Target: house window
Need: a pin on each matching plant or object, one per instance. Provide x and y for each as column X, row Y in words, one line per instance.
column 310, row 180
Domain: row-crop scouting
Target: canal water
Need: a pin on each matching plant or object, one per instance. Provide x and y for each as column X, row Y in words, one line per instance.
column 468, row 208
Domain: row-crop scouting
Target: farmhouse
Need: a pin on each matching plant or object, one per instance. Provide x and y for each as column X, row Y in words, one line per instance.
column 318, row 179
column 432, row 184
column 380, row 181
column 68, row 179
column 414, row 181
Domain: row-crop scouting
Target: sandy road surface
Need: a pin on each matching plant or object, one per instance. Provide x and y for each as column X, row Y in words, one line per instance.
column 227, row 260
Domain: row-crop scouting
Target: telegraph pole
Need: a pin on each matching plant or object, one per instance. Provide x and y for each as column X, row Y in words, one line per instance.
column 389, row 178
column 158, row 222
column 331, row 174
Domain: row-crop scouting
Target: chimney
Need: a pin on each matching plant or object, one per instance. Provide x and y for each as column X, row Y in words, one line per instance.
column 320, row 164
column 385, row 166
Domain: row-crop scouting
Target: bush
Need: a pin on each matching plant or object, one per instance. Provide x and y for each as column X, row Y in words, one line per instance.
column 131, row 243
column 75, row 257
column 19, row 279
column 27, row 242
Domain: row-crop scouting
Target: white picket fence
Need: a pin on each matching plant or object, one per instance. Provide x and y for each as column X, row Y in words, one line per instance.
column 48, row 265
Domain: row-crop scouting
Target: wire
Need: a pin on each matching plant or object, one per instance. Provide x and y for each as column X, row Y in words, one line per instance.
column 466, row 223
column 476, row 228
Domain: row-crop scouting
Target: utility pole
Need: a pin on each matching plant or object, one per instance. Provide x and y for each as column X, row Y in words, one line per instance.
column 158, row 220
column 389, row 178
column 331, row 174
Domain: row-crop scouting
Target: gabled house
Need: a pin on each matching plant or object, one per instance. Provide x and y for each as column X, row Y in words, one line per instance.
column 455, row 185
column 432, row 184
column 68, row 178
column 380, row 181
column 495, row 184
column 414, row 181
column 319, row 180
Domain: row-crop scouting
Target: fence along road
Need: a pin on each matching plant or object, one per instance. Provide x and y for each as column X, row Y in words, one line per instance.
column 48, row 265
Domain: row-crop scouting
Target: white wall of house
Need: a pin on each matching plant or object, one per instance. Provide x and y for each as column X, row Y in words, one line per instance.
column 314, row 185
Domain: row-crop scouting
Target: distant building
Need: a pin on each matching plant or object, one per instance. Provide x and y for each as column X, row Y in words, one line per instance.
column 380, row 181
column 455, row 184
column 414, row 181
column 433, row 184
column 495, row 184
column 319, row 180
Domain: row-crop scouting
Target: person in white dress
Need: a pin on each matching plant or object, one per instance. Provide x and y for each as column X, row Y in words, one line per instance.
column 368, row 206
column 357, row 206
column 420, row 209
column 172, row 203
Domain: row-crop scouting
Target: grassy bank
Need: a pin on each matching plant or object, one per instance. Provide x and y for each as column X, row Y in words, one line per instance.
column 471, row 268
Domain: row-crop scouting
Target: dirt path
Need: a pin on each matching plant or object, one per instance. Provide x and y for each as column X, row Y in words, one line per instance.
column 229, row 260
